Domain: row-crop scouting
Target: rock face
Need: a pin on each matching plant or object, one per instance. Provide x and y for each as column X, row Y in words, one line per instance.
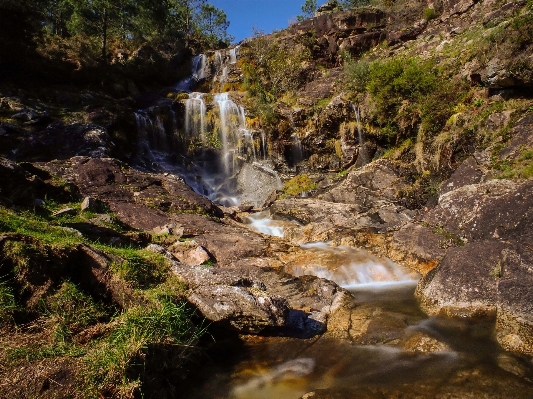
column 361, row 211
column 354, row 31
column 240, row 303
column 490, row 272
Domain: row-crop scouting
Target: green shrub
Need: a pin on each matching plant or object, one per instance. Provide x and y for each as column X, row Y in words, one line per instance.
column 410, row 94
column 429, row 14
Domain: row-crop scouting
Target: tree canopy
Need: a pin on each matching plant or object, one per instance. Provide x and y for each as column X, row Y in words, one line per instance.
column 106, row 23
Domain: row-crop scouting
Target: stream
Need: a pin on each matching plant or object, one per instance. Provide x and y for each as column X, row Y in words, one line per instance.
column 389, row 348
column 394, row 350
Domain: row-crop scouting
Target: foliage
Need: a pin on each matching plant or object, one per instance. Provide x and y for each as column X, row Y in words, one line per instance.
column 308, row 8
column 271, row 71
column 86, row 32
column 298, row 185
column 214, row 24
column 520, row 168
column 356, row 73
column 19, row 27
column 408, row 94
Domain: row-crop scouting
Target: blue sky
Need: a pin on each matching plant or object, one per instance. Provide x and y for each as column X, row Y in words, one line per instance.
column 266, row 15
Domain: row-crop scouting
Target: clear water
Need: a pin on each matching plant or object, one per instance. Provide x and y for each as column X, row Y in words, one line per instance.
column 392, row 350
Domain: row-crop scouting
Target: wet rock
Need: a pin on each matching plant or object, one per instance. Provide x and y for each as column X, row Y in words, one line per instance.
column 419, row 342
column 454, row 287
column 232, row 301
column 417, row 247
column 491, row 273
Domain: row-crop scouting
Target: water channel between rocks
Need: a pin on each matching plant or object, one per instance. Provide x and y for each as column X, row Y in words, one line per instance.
column 392, row 350
column 381, row 346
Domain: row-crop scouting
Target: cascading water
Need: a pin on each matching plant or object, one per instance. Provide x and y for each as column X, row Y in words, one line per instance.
column 229, row 124
column 213, row 150
column 363, row 155
column 195, row 111
column 197, row 74
column 350, row 268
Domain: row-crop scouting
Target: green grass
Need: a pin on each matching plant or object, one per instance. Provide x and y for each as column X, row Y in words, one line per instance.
column 164, row 323
column 141, row 267
column 521, row 168
column 7, row 303
column 73, row 308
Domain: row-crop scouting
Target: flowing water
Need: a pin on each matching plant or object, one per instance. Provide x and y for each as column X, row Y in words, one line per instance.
column 390, row 348
column 393, row 351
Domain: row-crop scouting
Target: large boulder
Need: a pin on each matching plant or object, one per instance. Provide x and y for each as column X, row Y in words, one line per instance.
column 488, row 270
column 226, row 298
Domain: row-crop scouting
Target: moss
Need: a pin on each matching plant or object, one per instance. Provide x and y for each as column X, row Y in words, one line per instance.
column 298, row 185
column 429, row 14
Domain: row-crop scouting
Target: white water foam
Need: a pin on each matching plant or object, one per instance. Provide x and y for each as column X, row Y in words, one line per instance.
column 353, row 269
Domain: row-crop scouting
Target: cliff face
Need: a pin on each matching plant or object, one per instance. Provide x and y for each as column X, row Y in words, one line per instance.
column 448, row 66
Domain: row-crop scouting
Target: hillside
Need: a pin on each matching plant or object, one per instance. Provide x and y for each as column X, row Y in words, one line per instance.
column 155, row 225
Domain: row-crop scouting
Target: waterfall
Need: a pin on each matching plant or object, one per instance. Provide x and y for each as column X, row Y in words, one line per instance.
column 195, row 111
column 363, row 156
column 210, row 145
column 232, row 129
column 233, row 55
column 198, row 67
column 263, row 144
column 197, row 74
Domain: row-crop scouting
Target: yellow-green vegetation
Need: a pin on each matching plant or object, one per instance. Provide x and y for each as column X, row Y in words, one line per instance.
column 140, row 267
column 410, row 94
column 38, row 284
column 161, row 322
column 298, row 185
column 520, row 168
column 271, row 71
